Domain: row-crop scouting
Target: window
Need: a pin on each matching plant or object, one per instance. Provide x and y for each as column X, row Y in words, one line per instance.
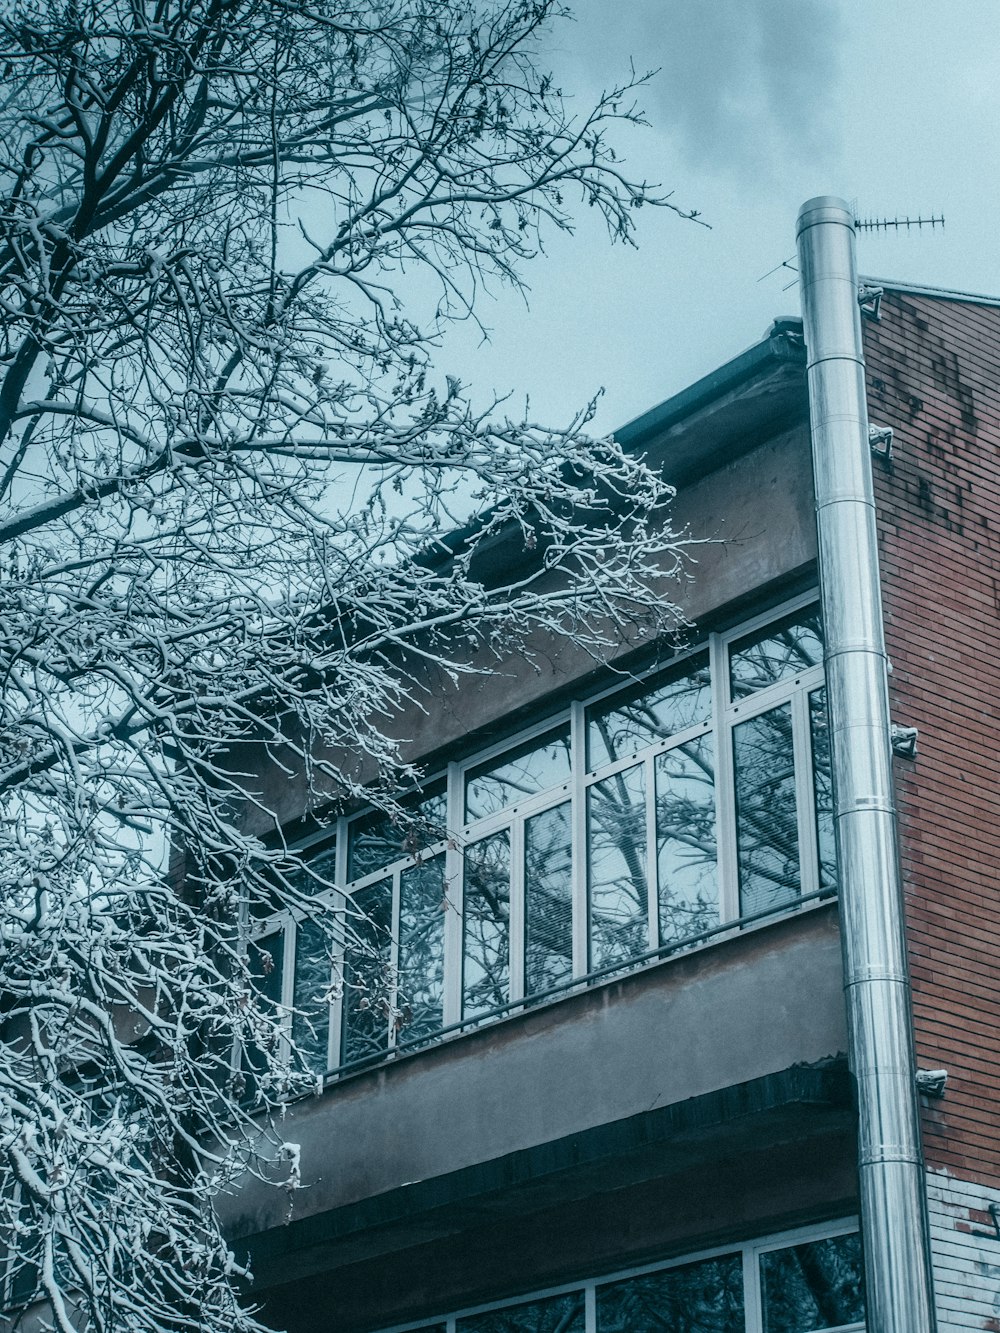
column 652, row 853
column 813, row 1285
column 649, row 817
column 706, row 1294
column 784, row 830
column 393, row 963
column 290, row 965
column 517, row 872
column 804, row 1282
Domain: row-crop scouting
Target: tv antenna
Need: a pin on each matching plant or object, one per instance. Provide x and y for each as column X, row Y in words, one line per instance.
column 895, row 224
column 863, row 224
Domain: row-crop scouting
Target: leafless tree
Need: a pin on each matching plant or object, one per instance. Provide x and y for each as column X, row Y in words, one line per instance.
column 226, row 462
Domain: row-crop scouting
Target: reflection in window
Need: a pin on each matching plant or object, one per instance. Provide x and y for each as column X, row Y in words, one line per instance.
column 367, row 979
column 375, row 842
column 705, row 1297
column 557, row 1314
column 421, row 949
column 685, row 840
column 823, row 789
column 766, row 822
column 486, row 925
column 809, row 1287
column 616, row 854
column 617, row 729
column 311, row 1020
column 548, row 900
column 777, row 652
column 322, row 870
column 266, row 964
column 531, row 768
column 266, row 959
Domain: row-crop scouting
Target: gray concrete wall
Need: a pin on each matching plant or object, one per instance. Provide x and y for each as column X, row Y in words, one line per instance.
column 752, row 1005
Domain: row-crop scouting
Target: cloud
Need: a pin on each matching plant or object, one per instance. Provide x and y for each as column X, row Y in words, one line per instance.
column 743, row 84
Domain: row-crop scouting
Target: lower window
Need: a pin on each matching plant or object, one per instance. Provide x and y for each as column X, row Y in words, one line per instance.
column 804, row 1282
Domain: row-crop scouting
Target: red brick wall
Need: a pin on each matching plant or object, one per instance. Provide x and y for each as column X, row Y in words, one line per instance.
column 934, row 377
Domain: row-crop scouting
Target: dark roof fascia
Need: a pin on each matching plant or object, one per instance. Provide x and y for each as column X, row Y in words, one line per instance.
column 783, row 344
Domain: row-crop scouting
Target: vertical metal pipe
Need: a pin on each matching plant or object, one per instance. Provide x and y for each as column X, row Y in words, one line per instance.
column 876, row 984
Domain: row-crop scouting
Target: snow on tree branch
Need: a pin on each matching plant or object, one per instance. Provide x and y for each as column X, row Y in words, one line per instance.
column 226, row 467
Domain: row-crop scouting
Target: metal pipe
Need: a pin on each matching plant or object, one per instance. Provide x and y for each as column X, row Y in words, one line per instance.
column 876, row 984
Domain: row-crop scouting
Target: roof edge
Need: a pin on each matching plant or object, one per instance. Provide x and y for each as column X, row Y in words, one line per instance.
column 783, row 343
column 938, row 293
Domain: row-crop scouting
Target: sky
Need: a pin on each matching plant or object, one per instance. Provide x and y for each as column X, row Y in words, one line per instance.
column 758, row 105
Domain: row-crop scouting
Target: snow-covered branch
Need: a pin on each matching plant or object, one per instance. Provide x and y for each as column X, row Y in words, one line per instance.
column 227, row 468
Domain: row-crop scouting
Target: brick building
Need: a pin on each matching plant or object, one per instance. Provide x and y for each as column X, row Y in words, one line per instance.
column 651, row 1065
column 933, row 374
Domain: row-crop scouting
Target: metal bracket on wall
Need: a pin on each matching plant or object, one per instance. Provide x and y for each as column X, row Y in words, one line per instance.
column 932, row 1082
column 870, row 301
column 994, row 1211
column 904, row 741
column 880, row 440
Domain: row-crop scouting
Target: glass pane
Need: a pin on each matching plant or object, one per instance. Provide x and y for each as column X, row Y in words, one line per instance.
column 311, row 873
column 766, row 829
column 548, row 900
column 533, row 767
column 616, row 855
column 823, row 789
column 776, row 652
column 367, row 974
column 321, row 871
column 705, row 1297
column 557, row 1314
column 266, row 962
column 311, row 1020
column 814, row 1286
column 421, row 949
column 432, row 813
column 624, row 725
column 486, row 925
column 374, row 842
column 685, row 840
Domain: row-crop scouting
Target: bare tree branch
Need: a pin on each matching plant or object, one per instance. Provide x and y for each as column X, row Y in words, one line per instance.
column 226, row 465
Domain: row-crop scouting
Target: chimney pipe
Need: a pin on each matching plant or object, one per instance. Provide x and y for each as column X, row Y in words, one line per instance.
column 876, row 984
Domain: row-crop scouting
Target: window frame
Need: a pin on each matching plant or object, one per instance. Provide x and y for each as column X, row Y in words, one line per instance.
column 795, row 690
column 394, row 871
column 725, row 715
column 288, row 920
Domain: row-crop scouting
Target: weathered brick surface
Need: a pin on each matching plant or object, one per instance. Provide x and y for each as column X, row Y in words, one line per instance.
column 934, row 376
column 966, row 1256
